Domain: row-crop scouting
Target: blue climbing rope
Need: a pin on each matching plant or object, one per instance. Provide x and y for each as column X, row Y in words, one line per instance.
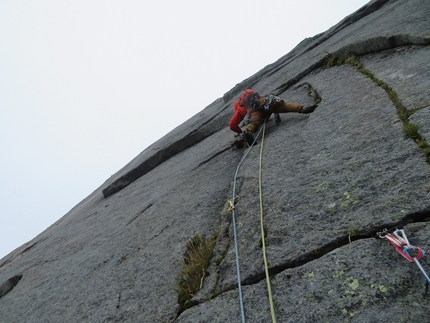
column 232, row 202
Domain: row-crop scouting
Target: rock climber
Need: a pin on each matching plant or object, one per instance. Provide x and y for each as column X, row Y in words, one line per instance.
column 258, row 109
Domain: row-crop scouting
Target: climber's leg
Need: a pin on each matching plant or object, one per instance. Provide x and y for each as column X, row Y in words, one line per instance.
column 255, row 122
column 285, row 107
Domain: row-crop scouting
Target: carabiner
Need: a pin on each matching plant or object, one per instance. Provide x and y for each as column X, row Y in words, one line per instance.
column 232, row 203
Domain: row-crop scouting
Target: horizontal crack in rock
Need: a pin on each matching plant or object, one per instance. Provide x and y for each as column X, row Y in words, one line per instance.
column 421, row 216
column 418, row 217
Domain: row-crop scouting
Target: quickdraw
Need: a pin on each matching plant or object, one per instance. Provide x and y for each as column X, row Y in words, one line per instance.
column 399, row 240
column 232, row 203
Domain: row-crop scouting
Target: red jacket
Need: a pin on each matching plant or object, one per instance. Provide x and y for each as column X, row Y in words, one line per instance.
column 239, row 112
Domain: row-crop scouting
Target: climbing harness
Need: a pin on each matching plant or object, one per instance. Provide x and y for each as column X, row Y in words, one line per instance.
column 247, row 118
column 271, row 98
column 232, row 203
column 398, row 239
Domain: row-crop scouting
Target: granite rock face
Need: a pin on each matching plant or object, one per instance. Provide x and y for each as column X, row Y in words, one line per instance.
column 330, row 181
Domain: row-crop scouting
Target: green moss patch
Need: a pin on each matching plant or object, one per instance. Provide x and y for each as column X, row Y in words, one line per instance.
column 196, row 262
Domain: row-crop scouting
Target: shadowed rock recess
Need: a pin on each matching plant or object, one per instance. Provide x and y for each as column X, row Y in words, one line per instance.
column 331, row 180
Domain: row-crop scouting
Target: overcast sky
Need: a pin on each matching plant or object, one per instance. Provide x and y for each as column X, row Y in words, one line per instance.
column 85, row 86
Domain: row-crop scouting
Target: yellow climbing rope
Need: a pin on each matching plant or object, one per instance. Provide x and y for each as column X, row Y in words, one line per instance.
column 232, row 203
column 266, row 268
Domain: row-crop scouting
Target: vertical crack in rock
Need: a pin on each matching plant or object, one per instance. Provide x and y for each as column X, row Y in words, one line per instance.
column 197, row 258
column 197, row 262
column 221, row 245
column 9, row 284
column 410, row 129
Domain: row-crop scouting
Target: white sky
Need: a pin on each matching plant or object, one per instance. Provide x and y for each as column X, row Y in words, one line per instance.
column 86, row 85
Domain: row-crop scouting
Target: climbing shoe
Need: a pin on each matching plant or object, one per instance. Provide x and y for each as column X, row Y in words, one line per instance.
column 308, row 109
column 249, row 138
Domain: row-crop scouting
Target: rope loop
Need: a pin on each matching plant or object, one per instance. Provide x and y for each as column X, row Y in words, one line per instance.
column 400, row 241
